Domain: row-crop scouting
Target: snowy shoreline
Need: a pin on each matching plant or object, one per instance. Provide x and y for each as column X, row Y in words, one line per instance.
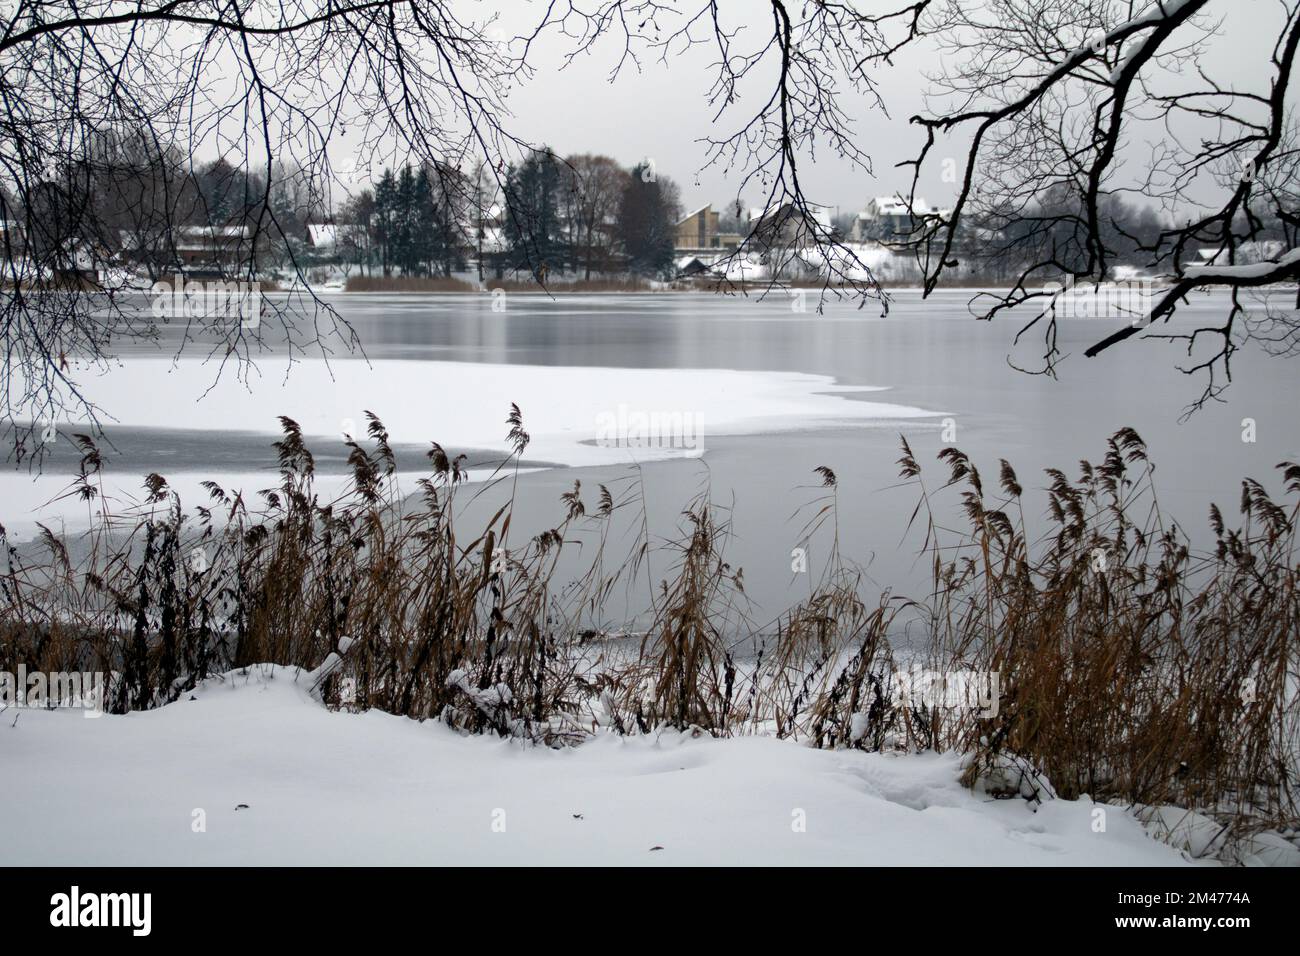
column 250, row 769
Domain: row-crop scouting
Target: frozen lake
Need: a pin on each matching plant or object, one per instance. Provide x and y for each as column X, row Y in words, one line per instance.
column 769, row 393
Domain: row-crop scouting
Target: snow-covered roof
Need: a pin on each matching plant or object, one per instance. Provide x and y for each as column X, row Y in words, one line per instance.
column 693, row 213
column 323, row 235
column 215, row 232
column 820, row 214
column 494, row 239
column 1256, row 250
column 682, row 263
column 890, row 206
column 1252, row 270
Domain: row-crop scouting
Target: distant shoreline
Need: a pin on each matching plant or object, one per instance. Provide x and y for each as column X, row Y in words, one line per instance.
column 520, row 288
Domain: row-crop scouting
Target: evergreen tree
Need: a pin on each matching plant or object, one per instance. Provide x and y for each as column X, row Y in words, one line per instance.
column 423, row 218
column 406, row 226
column 225, row 192
column 647, row 218
column 533, row 225
column 385, row 211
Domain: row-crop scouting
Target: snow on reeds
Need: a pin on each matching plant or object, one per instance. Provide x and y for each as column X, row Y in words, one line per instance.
column 1104, row 657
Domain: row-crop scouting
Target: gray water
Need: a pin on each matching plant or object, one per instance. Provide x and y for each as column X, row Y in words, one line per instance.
column 930, row 354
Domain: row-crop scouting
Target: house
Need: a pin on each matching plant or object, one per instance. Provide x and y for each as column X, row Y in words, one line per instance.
column 328, row 238
column 76, row 260
column 197, row 245
column 1247, row 253
column 11, row 235
column 698, row 229
column 889, row 217
column 698, row 232
column 189, row 246
column 692, row 265
column 323, row 237
column 786, row 226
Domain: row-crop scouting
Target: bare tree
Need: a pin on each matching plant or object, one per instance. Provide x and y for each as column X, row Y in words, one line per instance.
column 253, row 81
column 1042, row 98
column 593, row 186
column 260, row 82
column 797, row 69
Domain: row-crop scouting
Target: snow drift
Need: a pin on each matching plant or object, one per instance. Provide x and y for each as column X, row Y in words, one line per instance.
column 251, row 769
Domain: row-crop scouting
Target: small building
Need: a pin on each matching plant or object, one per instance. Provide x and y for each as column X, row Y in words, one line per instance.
column 213, row 244
column 11, row 236
column 1250, row 252
column 323, row 237
column 698, row 229
column 692, row 265
column 783, row 225
column 889, row 217
column 187, row 247
column 77, row 260
column 328, row 238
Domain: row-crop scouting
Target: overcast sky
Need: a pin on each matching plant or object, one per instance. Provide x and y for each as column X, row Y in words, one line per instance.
column 661, row 112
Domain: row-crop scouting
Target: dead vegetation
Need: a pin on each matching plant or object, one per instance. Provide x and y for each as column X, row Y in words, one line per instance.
column 1104, row 656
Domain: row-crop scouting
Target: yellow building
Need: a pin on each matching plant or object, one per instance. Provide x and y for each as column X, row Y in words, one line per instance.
column 698, row 229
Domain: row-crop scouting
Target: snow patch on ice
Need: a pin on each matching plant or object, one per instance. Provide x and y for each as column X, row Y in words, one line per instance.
column 460, row 405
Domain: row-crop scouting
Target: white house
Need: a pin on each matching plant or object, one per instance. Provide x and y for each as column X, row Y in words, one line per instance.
column 888, row 217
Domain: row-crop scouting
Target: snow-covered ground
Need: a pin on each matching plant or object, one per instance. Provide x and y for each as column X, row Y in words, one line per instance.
column 274, row 777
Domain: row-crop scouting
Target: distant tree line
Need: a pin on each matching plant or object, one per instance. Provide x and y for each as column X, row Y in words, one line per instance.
column 544, row 216
column 124, row 195
column 587, row 214
column 1051, row 233
column 413, row 221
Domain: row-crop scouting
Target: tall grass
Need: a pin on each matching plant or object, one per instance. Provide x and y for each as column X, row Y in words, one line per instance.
column 1128, row 667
